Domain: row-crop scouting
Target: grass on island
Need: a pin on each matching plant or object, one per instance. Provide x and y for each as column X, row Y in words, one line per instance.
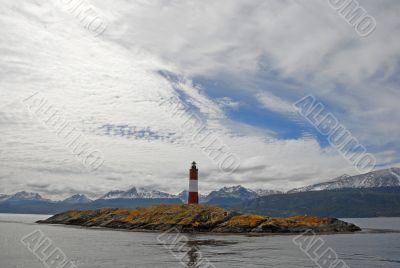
column 183, row 214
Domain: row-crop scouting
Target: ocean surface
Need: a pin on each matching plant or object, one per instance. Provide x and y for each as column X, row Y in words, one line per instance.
column 99, row 248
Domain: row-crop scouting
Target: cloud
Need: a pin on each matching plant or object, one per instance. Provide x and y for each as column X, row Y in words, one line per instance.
column 274, row 103
column 307, row 45
column 292, row 37
column 151, row 50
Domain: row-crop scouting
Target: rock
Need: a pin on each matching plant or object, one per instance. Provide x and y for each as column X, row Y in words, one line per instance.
column 197, row 218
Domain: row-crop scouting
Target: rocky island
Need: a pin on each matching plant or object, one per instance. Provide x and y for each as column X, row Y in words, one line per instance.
column 196, row 218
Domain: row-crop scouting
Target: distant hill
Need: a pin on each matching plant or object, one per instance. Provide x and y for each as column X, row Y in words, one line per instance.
column 340, row 203
column 380, row 178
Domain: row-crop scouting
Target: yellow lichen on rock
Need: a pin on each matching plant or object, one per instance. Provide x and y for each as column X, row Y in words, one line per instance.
column 250, row 220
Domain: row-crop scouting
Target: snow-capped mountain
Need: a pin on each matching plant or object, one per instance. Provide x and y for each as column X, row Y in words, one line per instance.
column 381, row 178
column 77, row 199
column 265, row 192
column 135, row 193
column 113, row 195
column 3, row 197
column 183, row 196
column 25, row 196
column 237, row 192
column 321, row 186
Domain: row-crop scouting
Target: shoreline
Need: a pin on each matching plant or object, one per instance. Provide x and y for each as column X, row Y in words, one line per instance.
column 100, row 228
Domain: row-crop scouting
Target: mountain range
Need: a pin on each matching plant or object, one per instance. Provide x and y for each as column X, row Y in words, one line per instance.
column 237, row 197
column 380, row 178
column 26, row 202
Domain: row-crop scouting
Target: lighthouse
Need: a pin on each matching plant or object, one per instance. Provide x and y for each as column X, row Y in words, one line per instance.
column 193, row 197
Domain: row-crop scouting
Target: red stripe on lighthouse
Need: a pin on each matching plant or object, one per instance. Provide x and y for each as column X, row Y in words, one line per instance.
column 193, row 197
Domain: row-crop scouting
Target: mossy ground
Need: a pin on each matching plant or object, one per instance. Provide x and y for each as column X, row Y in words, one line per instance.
column 194, row 216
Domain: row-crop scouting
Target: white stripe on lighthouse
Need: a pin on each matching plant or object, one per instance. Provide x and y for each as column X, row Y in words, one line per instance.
column 193, row 186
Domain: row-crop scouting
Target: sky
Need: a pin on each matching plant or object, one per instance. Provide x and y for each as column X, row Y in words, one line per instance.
column 238, row 66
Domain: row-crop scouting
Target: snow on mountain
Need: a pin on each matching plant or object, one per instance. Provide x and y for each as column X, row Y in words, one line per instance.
column 77, row 199
column 183, row 196
column 238, row 192
column 322, row 186
column 3, row 197
column 145, row 193
column 113, row 195
column 26, row 196
column 135, row 193
column 265, row 192
column 380, row 178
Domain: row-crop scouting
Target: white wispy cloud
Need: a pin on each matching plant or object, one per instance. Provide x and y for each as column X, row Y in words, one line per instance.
column 274, row 103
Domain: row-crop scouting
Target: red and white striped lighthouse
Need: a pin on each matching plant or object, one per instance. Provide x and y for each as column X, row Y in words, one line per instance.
column 193, row 197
